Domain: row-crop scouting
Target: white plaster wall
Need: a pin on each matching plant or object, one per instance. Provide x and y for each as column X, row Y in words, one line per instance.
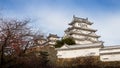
column 52, row 42
column 86, row 32
column 77, row 42
column 88, row 26
column 82, row 42
column 78, row 36
column 52, row 38
column 41, row 41
column 95, row 39
column 86, row 42
column 80, row 24
column 78, row 53
column 76, row 24
column 93, row 33
column 110, row 57
column 80, row 31
column 110, row 50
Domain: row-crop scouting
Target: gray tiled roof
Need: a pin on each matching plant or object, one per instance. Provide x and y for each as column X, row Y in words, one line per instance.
column 111, row 47
column 99, row 44
column 77, row 19
column 53, row 35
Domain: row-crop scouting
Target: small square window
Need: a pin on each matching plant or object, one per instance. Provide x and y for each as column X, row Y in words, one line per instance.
column 92, row 53
column 105, row 58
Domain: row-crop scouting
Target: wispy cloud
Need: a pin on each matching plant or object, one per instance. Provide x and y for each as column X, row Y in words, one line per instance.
column 54, row 16
column 109, row 29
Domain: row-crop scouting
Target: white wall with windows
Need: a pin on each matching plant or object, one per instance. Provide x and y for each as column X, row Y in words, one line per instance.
column 110, row 57
column 110, row 53
column 72, row 53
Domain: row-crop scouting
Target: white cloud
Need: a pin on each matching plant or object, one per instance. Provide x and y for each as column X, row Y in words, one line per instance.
column 55, row 20
column 108, row 27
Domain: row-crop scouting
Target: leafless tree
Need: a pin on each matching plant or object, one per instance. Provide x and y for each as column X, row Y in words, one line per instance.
column 15, row 36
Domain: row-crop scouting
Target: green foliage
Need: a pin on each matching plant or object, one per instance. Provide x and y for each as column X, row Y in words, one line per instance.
column 59, row 43
column 44, row 58
column 68, row 41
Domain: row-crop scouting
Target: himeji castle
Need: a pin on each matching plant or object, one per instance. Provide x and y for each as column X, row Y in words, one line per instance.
column 87, row 42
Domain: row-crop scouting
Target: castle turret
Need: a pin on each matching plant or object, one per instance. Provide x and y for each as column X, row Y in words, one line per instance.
column 40, row 40
column 52, row 38
column 81, row 31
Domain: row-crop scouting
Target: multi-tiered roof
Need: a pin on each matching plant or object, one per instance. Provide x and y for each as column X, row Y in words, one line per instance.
column 52, row 38
column 81, row 31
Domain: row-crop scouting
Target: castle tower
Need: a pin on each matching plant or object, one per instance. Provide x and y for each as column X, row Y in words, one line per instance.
column 81, row 31
column 52, row 38
column 40, row 40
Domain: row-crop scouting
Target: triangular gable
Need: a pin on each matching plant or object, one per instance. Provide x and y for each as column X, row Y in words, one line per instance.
column 65, row 46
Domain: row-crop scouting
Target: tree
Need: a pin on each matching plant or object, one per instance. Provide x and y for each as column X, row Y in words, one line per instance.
column 44, row 58
column 58, row 44
column 68, row 41
column 14, row 37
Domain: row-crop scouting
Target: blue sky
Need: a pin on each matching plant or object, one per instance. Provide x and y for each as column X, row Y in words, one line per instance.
column 53, row 16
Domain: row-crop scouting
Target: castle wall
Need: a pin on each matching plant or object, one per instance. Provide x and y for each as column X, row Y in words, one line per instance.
column 110, row 53
column 107, row 53
column 110, row 57
column 72, row 53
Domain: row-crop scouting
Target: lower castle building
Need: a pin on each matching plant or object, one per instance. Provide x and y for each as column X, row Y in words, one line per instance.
column 110, row 53
column 106, row 53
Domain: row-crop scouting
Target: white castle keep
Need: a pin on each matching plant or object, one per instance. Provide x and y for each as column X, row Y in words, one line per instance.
column 87, row 43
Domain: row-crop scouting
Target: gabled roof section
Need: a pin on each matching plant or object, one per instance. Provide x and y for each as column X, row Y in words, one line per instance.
column 86, row 29
column 93, row 45
column 53, row 35
column 40, row 37
column 111, row 47
column 80, row 20
column 65, row 46
column 89, row 35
